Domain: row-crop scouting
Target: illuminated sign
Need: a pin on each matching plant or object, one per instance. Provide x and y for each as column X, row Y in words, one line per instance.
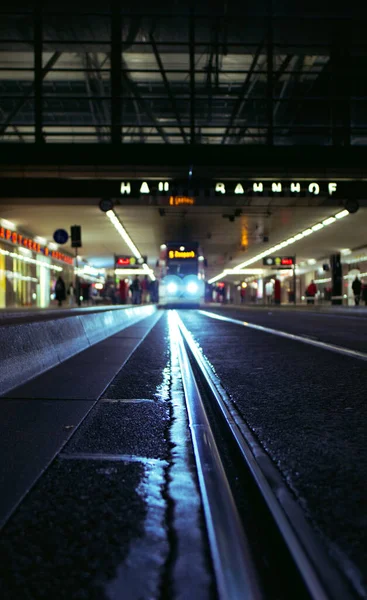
column 200, row 190
column 129, row 261
column 172, row 254
column 179, row 200
column 19, row 240
column 279, row 261
column 277, row 187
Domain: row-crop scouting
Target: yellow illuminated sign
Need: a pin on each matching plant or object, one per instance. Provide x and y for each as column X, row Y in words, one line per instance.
column 179, row 200
column 180, row 254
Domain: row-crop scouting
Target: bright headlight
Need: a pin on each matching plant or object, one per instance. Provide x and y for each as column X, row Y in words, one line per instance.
column 192, row 287
column 172, row 287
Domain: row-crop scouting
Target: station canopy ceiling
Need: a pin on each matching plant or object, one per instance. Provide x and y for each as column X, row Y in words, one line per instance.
column 211, row 74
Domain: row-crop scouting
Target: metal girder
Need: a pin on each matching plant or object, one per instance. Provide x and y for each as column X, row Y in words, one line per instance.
column 116, row 66
column 297, row 61
column 91, row 92
column 133, row 89
column 167, row 86
column 270, row 83
column 238, row 107
column 50, row 63
column 192, row 77
column 38, row 31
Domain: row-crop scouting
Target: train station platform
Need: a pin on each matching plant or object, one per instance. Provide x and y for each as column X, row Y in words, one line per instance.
column 101, row 480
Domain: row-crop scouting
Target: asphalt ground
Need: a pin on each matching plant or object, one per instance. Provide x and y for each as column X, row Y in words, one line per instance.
column 347, row 330
column 307, row 407
column 117, row 514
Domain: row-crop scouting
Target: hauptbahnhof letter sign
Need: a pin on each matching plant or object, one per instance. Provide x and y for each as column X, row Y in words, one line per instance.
column 176, row 192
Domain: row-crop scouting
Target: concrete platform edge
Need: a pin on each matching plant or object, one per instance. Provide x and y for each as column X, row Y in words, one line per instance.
column 31, row 348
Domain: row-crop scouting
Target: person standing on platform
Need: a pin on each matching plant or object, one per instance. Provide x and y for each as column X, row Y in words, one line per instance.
column 123, row 291
column 277, row 292
column 269, row 290
column 357, row 288
column 243, row 294
column 71, row 294
column 60, row 290
column 145, row 289
column 136, row 290
column 311, row 292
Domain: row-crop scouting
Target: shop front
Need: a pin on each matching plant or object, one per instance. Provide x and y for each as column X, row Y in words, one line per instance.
column 29, row 270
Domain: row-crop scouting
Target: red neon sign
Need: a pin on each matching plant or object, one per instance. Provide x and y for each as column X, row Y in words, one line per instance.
column 123, row 262
column 287, row 261
column 20, row 240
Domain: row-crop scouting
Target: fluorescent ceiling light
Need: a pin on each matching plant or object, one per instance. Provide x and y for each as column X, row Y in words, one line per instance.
column 311, row 261
column 342, row 214
column 40, row 240
column 346, row 251
column 148, row 271
column 123, row 233
column 329, row 221
column 317, row 227
column 135, row 272
column 291, row 240
column 7, row 224
column 216, row 278
column 53, row 246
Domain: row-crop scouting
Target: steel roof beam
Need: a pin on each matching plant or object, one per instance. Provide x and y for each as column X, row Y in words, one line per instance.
column 238, row 107
column 167, row 86
column 50, row 63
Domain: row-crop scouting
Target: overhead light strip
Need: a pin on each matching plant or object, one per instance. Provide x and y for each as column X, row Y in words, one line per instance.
column 123, row 233
column 288, row 242
column 127, row 239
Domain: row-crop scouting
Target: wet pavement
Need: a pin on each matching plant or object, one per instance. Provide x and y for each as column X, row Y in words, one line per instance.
column 307, row 408
column 117, row 514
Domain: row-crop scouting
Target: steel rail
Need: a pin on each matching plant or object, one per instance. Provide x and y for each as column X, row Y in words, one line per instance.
column 320, row 577
column 235, row 574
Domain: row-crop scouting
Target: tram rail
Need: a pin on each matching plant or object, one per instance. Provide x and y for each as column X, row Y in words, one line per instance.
column 286, row 560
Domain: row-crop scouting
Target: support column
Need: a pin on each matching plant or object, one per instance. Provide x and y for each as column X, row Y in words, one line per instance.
column 336, row 279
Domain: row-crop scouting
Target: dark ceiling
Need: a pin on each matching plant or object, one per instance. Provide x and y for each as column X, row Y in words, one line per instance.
column 273, row 73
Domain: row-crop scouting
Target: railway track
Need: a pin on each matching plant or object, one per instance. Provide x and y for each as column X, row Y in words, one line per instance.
column 261, row 545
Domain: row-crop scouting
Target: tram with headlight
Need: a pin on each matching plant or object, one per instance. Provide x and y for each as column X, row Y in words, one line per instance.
column 182, row 276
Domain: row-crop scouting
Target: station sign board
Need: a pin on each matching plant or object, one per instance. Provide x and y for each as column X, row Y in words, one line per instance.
column 129, row 262
column 279, row 261
column 184, row 251
column 178, row 192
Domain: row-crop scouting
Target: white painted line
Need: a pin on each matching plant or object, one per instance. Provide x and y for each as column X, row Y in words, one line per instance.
column 290, row 336
column 128, row 458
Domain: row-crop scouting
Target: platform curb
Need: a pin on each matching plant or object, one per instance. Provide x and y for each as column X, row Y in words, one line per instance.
column 31, row 348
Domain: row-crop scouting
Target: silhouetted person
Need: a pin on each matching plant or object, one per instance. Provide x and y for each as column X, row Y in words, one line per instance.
column 357, row 288
column 277, row 292
column 311, row 292
column 60, row 290
column 71, row 294
column 136, row 290
column 123, row 291
column 145, row 289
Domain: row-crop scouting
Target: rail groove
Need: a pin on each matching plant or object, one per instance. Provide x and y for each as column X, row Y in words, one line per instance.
column 235, row 567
